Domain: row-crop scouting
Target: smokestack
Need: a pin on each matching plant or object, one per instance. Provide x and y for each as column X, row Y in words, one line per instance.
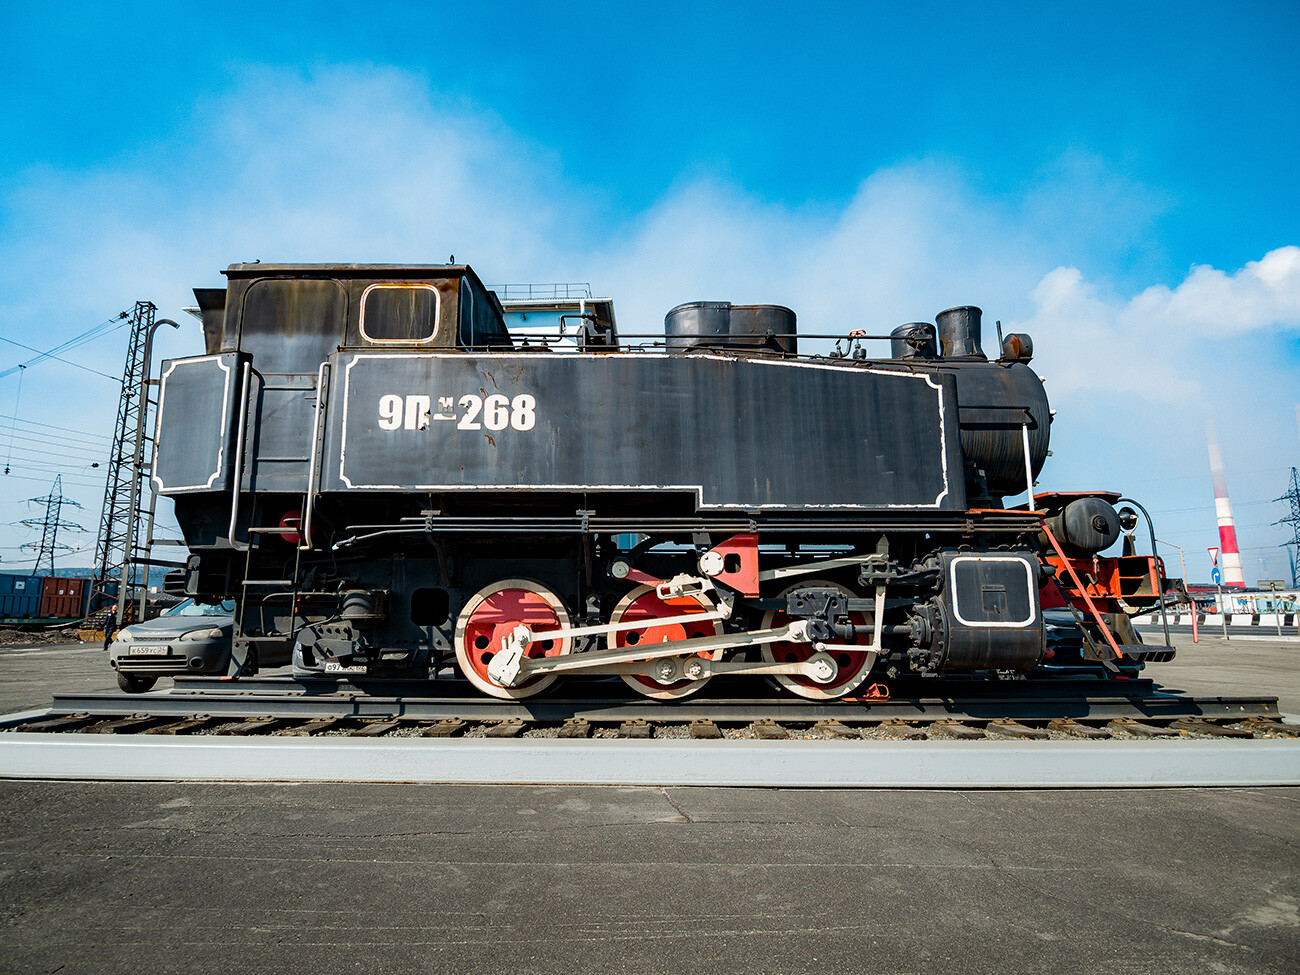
column 1229, row 557
column 959, row 332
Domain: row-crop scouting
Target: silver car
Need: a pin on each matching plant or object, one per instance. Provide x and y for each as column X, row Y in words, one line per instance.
column 190, row 638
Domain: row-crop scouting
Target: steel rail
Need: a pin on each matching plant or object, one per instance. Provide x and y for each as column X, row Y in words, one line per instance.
column 447, row 688
column 614, row 711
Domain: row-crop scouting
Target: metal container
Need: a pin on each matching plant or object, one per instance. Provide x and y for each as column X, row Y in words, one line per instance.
column 1086, row 526
column 63, row 598
column 915, row 340
column 20, row 596
column 722, row 325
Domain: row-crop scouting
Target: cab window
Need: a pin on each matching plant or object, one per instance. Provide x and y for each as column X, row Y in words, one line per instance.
column 399, row 313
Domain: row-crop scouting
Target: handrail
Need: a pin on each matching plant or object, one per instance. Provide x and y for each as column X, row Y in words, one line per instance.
column 562, row 289
column 239, row 461
column 304, row 543
column 1029, row 464
column 1160, row 574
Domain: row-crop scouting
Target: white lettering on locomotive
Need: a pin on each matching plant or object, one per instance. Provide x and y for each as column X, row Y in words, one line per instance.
column 495, row 412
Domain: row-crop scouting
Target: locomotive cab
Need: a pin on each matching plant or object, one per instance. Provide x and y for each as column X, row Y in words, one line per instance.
column 295, row 315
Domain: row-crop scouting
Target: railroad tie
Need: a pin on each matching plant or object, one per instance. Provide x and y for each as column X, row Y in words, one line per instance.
column 186, row 727
column 767, row 728
column 704, row 728
column 1071, row 727
column 831, row 728
column 252, row 726
column 67, row 722
column 508, row 728
column 1006, row 728
column 1201, row 726
column 132, row 722
column 958, row 730
column 1271, row 724
column 634, row 728
column 442, row 729
column 575, row 728
column 898, row 728
column 310, row 727
column 373, row 729
column 1140, row 730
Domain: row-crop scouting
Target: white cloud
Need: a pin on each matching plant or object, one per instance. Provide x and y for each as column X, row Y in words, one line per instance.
column 1172, row 346
column 1263, row 294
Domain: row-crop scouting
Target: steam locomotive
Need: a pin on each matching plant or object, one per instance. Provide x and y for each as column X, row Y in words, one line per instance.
column 383, row 473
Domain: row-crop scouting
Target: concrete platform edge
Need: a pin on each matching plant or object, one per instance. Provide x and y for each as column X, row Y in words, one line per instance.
column 789, row 764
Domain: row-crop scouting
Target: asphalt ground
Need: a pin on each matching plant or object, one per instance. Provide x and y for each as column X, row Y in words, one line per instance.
column 163, row 877
column 1246, row 663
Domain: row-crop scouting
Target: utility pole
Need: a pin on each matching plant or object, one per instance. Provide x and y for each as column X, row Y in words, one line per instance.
column 50, row 525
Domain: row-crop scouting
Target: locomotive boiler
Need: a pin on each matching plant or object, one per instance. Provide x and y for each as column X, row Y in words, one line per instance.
column 369, row 457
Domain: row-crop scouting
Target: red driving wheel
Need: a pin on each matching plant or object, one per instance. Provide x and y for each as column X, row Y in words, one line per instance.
column 643, row 603
column 491, row 615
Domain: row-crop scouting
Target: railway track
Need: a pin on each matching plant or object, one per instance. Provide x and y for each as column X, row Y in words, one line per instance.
column 1059, row 709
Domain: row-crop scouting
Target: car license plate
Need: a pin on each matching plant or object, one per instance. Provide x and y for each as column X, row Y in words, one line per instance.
column 334, row 667
column 161, row 650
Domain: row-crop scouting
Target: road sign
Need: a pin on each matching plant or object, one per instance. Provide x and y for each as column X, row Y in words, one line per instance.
column 1214, row 555
column 1215, row 576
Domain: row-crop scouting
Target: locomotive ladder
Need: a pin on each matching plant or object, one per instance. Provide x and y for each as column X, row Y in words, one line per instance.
column 242, row 643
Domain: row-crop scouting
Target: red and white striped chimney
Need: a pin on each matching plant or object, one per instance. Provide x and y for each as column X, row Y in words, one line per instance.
column 1229, row 557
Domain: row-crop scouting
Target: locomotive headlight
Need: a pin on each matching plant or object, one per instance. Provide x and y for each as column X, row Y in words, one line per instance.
column 1128, row 519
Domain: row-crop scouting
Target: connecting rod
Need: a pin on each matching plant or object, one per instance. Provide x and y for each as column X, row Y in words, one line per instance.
column 510, row 667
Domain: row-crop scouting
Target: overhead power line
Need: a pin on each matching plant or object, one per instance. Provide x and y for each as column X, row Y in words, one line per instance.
column 34, row 423
column 51, row 355
column 45, row 480
column 89, row 335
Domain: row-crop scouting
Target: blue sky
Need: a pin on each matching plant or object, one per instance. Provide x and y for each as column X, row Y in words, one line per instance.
column 1119, row 180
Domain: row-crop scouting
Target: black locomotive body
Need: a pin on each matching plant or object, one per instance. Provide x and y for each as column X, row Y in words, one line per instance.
column 369, row 451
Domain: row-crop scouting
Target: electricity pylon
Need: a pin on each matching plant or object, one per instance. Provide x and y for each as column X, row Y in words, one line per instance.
column 118, row 532
column 1293, row 519
column 50, row 525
